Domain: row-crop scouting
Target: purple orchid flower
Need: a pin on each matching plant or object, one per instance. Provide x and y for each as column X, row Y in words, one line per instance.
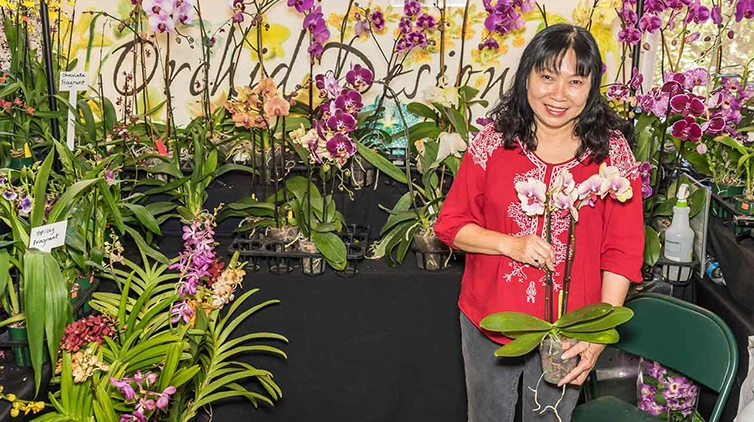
column 361, row 27
column 341, row 122
column 301, row 6
column 650, row 23
column 182, row 311
column 405, row 25
column 490, row 43
column 349, row 101
column 125, row 387
column 10, row 195
column 630, row 36
column 412, row 8
column 25, row 204
column 716, row 14
column 744, row 10
column 378, row 20
column 417, row 39
column 162, row 402
column 359, row 77
column 426, row 22
column 714, row 126
column 636, row 80
column 618, row 92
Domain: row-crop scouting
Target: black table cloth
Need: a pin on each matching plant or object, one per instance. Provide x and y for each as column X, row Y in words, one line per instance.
column 381, row 346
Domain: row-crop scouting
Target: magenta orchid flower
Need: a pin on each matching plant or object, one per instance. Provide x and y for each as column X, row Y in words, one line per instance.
column 744, row 10
column 686, row 104
column 687, row 129
column 618, row 92
column 532, row 194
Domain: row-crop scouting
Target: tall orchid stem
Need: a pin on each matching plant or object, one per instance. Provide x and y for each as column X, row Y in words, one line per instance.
column 570, row 252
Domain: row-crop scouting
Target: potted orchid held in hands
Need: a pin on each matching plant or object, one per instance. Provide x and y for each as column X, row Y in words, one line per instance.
column 591, row 323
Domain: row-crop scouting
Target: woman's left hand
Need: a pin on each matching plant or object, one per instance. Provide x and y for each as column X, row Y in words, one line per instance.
column 589, row 353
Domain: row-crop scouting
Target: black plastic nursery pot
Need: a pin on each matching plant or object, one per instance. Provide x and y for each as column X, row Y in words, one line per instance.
column 431, row 253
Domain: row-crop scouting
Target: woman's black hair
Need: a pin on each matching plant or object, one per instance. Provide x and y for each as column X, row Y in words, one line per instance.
column 513, row 116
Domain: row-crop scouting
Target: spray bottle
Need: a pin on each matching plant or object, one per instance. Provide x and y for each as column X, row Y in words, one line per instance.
column 679, row 238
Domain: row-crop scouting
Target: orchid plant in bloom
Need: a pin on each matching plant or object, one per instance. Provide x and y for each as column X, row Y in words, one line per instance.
column 330, row 140
column 503, row 17
column 164, row 15
column 152, row 367
column 565, row 198
column 315, row 25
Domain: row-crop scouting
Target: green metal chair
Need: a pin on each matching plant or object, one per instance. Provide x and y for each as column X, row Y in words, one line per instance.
column 679, row 335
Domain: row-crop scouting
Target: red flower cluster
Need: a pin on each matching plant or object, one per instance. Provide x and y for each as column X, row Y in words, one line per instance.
column 80, row 333
column 8, row 106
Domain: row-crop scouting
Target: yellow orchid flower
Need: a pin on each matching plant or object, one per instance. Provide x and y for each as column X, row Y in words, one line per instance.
column 272, row 40
column 195, row 109
column 87, row 30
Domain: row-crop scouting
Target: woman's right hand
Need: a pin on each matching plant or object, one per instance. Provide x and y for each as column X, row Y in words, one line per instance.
column 532, row 250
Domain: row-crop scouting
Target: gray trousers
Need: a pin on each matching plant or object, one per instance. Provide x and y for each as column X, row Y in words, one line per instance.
column 492, row 383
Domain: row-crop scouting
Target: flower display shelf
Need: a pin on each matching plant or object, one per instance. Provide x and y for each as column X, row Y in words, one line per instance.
column 726, row 211
column 281, row 258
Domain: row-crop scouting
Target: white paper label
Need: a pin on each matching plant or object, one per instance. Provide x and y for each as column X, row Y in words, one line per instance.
column 45, row 238
column 75, row 81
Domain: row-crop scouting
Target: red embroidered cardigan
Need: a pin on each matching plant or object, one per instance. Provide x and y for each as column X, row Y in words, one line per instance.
column 609, row 236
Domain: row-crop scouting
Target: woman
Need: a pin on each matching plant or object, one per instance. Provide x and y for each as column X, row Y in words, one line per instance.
column 552, row 119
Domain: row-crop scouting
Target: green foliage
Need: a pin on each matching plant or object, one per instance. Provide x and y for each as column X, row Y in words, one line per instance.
column 593, row 323
column 200, row 361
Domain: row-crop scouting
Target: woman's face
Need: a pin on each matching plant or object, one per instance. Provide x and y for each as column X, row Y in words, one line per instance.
column 557, row 98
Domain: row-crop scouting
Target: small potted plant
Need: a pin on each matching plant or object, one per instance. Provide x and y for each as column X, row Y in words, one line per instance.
column 593, row 323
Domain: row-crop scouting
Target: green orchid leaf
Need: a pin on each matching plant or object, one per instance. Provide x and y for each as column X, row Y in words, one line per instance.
column 503, row 322
column 382, row 163
column 4, row 271
column 40, row 190
column 586, row 313
column 420, row 131
column 422, row 110
column 144, row 216
column 618, row 316
column 332, row 248
column 602, row 337
column 522, row 345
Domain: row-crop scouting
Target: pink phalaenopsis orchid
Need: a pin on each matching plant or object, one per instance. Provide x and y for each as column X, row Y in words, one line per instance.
column 532, row 194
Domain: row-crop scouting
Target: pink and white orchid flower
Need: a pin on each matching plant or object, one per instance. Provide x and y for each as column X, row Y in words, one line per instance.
column 532, row 195
column 590, row 190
